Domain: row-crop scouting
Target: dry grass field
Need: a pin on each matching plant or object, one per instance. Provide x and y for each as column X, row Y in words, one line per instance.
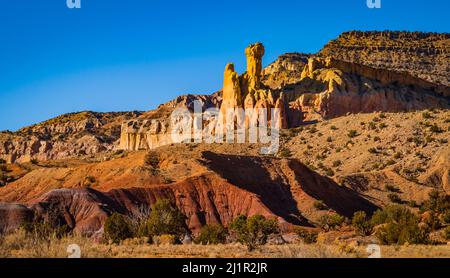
column 18, row 245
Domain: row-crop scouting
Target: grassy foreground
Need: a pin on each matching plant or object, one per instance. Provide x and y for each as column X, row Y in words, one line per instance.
column 18, row 245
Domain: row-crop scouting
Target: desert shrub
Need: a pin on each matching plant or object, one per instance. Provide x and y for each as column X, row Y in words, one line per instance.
column 333, row 127
column 285, row 152
column 165, row 239
column 308, row 237
column 165, row 219
column 253, row 231
column 391, row 188
column 398, row 225
column 446, row 217
column 395, row 198
column 431, row 221
column 337, row 163
column 362, row 223
column 426, row 115
column 117, row 227
column 34, row 161
column 352, row 133
column 330, row 222
column 44, row 230
column 372, row 126
column 437, row 202
column 329, row 139
column 447, row 233
column 436, row 129
column 320, row 205
column 398, row 155
column 212, row 234
column 313, row 130
column 3, row 179
column 328, row 171
column 383, row 125
column 2, row 161
column 152, row 159
column 373, row 150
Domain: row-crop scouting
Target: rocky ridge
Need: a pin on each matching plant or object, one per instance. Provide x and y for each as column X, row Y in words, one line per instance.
column 423, row 55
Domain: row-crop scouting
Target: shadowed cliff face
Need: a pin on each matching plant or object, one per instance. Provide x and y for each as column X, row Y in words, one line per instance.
column 281, row 184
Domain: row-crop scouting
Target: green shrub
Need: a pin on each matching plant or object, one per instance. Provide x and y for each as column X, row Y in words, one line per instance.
column 117, row 228
column 308, row 237
column 398, row 225
column 330, row 222
column 372, row 126
column 44, row 230
column 426, row 115
column 165, row 219
column 253, row 231
column 329, row 172
column 395, row 198
column 320, row 205
column 337, row 163
column 285, row 152
column 212, row 234
column 437, row 202
column 152, row 159
column 446, row 217
column 447, row 233
column 391, row 188
column 362, row 223
column 398, row 155
column 436, row 129
column 352, row 133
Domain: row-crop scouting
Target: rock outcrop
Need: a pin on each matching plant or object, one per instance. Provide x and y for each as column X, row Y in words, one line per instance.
column 70, row 135
column 422, row 55
column 331, row 88
column 286, row 70
column 246, row 91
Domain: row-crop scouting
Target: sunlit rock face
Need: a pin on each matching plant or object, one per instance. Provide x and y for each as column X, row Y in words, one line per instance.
column 239, row 92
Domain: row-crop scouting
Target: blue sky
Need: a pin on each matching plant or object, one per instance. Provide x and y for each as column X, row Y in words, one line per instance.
column 121, row 55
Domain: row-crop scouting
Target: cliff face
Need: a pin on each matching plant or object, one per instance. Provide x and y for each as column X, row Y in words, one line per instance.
column 423, row 55
column 331, row 88
column 70, row 135
column 153, row 129
column 247, row 91
column 286, row 70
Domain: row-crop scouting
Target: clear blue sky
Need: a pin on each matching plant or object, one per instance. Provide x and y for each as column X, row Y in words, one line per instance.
column 120, row 55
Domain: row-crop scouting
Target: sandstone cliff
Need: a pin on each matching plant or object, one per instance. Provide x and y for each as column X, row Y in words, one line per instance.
column 423, row 55
column 331, row 88
column 70, row 135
